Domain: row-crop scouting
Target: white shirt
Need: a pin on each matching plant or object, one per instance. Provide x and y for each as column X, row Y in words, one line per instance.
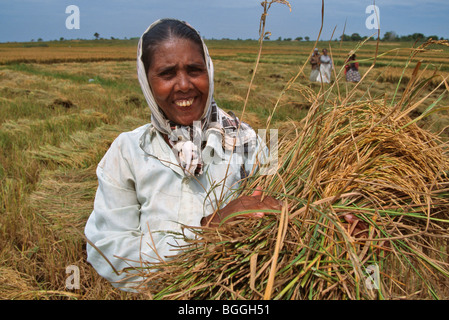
column 144, row 197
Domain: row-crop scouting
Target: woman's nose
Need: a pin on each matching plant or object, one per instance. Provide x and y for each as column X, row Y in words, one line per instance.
column 183, row 82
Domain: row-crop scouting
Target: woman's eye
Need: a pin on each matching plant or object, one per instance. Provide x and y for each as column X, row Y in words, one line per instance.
column 167, row 73
column 195, row 71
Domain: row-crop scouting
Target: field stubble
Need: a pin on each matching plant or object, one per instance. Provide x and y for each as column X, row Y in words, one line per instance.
column 60, row 108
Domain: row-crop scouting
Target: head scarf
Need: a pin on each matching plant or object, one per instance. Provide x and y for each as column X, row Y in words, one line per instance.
column 187, row 142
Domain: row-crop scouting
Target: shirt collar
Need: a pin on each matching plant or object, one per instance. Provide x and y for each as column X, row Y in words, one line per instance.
column 153, row 143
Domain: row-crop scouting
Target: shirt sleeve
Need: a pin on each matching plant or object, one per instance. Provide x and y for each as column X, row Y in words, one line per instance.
column 114, row 227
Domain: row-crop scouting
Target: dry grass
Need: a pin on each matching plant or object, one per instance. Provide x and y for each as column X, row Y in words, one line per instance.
column 65, row 54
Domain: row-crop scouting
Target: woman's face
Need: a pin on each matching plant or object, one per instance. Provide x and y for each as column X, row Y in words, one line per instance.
column 179, row 80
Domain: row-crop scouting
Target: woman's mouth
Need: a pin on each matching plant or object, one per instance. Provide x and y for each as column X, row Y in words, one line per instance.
column 184, row 103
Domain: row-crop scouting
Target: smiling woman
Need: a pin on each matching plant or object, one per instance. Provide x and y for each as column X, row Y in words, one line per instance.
column 175, row 171
column 179, row 80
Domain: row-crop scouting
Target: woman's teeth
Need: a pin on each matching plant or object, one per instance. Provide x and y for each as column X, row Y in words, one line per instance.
column 184, row 103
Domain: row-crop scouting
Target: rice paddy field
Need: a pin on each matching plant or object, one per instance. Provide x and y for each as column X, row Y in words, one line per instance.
column 62, row 103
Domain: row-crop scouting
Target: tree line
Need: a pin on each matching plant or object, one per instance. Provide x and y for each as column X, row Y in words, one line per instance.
column 392, row 36
column 388, row 36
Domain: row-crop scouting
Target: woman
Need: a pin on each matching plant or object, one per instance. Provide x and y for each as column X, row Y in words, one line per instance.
column 174, row 171
column 315, row 62
column 325, row 68
column 352, row 69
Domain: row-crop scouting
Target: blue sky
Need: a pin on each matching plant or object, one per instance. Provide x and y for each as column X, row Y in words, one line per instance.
column 23, row 20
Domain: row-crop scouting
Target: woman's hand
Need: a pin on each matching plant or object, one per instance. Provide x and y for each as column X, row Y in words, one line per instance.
column 358, row 228
column 244, row 203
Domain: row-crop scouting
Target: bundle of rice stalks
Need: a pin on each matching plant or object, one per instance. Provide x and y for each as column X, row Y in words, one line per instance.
column 357, row 161
column 366, row 215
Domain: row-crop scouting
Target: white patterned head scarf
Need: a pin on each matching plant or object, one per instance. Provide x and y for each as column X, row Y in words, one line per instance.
column 184, row 139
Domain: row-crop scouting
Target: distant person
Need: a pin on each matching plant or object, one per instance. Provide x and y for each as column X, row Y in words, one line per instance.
column 315, row 63
column 352, row 69
column 325, row 68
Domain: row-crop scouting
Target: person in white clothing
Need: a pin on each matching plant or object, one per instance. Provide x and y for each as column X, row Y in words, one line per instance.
column 325, row 68
column 182, row 169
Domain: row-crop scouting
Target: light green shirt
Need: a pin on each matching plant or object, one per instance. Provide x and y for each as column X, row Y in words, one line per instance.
column 144, row 198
